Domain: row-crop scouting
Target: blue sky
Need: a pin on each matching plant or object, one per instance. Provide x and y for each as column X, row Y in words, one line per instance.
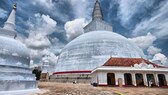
column 48, row 25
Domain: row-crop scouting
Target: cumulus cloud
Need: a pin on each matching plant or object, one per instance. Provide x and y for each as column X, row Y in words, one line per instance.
column 153, row 50
column 38, row 41
column 144, row 41
column 52, row 58
column 39, row 31
column 39, row 54
column 159, row 57
column 74, row 28
column 157, row 24
column 49, row 57
column 82, row 10
column 3, row 13
column 49, row 20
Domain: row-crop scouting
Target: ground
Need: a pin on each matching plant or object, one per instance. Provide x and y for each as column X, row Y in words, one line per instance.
column 53, row 88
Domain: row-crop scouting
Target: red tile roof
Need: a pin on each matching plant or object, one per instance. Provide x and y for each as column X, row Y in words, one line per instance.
column 128, row 62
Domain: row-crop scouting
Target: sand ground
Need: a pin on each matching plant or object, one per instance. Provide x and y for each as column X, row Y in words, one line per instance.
column 53, row 88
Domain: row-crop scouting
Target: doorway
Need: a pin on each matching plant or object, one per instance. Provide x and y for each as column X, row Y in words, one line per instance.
column 150, row 77
column 128, row 79
column 139, row 79
column 111, row 79
column 162, row 80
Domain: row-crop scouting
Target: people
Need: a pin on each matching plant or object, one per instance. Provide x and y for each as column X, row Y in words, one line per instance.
column 75, row 82
column 150, row 83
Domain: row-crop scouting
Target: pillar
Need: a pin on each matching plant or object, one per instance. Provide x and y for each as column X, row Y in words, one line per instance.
column 156, row 79
column 116, row 78
column 166, row 76
column 133, row 79
column 145, row 79
column 123, row 79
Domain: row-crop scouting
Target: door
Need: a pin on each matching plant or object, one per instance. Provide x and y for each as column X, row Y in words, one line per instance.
column 139, row 79
column 128, row 79
column 162, row 80
column 111, row 79
column 150, row 78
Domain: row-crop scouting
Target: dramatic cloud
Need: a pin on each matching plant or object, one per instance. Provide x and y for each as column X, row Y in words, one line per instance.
column 153, row 50
column 44, row 3
column 129, row 8
column 161, row 58
column 3, row 13
column 82, row 8
column 74, row 28
column 143, row 17
column 144, row 41
column 157, row 24
column 38, row 40
column 39, row 31
column 131, row 18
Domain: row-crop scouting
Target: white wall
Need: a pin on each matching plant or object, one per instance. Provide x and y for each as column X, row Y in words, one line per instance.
column 102, row 78
column 119, row 75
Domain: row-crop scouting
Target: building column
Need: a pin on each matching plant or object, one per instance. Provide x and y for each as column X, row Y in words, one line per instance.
column 145, row 79
column 166, row 76
column 156, row 79
column 123, row 79
column 133, row 79
column 116, row 78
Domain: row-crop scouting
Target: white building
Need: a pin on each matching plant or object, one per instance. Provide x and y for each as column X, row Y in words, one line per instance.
column 130, row 72
column 79, row 58
column 92, row 49
column 45, row 64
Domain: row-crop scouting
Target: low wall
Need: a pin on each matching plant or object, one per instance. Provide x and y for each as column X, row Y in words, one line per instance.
column 70, row 79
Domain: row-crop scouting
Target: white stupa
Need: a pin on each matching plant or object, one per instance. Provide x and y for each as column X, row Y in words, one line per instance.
column 45, row 64
column 16, row 77
column 95, row 47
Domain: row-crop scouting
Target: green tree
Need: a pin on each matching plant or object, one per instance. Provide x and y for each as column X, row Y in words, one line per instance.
column 37, row 72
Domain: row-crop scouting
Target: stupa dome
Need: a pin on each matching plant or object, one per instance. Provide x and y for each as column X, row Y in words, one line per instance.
column 93, row 49
column 13, row 52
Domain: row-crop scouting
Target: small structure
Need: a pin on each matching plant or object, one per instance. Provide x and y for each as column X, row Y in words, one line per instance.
column 44, row 76
column 130, row 72
column 45, row 69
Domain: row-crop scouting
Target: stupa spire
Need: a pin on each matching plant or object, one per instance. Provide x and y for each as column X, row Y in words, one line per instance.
column 97, row 13
column 10, row 23
column 97, row 22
